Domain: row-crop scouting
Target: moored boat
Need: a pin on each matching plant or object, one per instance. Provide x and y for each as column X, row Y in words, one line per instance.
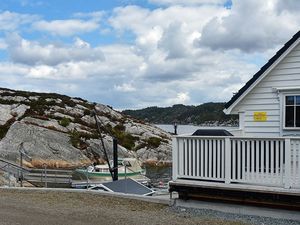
column 127, row 168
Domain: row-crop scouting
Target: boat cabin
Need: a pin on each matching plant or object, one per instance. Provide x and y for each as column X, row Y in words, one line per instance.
column 260, row 163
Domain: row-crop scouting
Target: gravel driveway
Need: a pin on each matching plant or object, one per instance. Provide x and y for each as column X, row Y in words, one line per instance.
column 55, row 208
column 42, row 207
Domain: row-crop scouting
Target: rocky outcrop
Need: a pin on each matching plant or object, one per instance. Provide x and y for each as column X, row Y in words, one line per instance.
column 59, row 129
column 7, row 112
column 161, row 153
column 95, row 147
column 40, row 144
column 8, row 180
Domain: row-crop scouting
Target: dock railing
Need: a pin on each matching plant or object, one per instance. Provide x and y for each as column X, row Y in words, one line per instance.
column 270, row 162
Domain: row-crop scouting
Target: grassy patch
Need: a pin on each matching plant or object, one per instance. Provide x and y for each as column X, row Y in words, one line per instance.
column 153, row 142
column 77, row 139
column 65, row 122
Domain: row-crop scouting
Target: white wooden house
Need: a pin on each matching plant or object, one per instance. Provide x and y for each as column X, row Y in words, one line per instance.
column 269, row 104
column 262, row 158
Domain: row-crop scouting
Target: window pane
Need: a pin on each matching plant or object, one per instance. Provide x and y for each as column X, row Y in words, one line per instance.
column 289, row 116
column 298, row 100
column 298, row 116
column 289, row 100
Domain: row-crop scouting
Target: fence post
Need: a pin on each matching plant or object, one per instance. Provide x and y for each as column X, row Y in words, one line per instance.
column 287, row 154
column 227, row 161
column 175, row 158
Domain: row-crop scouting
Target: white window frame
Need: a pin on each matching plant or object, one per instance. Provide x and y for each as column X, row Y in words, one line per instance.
column 284, row 95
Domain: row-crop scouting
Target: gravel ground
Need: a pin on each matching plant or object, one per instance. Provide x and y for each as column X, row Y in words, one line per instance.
column 38, row 207
column 212, row 214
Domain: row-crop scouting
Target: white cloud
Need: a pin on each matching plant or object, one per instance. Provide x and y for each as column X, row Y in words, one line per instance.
column 180, row 53
column 3, row 44
column 66, row 27
column 69, row 87
column 181, row 98
column 78, row 61
column 186, row 2
column 174, row 41
column 251, row 26
column 96, row 16
column 141, row 21
column 10, row 21
column 172, row 30
column 34, row 53
column 125, row 87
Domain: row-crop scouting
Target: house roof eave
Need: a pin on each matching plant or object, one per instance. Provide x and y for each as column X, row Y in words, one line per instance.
column 262, row 72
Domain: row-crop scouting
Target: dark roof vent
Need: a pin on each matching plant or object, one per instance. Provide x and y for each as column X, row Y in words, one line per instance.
column 211, row 132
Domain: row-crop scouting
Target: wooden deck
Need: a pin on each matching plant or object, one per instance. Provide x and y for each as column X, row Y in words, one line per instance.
column 253, row 170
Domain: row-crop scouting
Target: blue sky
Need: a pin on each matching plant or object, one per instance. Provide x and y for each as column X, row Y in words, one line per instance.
column 139, row 53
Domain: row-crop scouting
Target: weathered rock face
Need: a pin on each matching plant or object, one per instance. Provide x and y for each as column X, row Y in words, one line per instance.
column 8, row 180
column 40, row 144
column 95, row 147
column 159, row 154
column 8, row 112
column 59, row 129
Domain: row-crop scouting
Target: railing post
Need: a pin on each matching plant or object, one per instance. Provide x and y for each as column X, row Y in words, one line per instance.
column 175, row 158
column 227, row 161
column 45, row 170
column 287, row 154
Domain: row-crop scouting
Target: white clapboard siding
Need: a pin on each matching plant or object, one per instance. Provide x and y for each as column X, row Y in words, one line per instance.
column 264, row 98
column 280, row 77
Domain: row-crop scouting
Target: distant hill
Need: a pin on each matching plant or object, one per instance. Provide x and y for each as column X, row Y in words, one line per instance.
column 205, row 114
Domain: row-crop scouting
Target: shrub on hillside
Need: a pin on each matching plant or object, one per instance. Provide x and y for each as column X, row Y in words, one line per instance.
column 65, row 122
column 154, row 142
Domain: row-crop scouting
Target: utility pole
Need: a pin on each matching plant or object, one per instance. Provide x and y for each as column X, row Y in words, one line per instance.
column 115, row 156
column 113, row 171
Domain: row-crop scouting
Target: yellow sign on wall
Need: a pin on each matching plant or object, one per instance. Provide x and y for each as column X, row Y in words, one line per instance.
column 260, row 116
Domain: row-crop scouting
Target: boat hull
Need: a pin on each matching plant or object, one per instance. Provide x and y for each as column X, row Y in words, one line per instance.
column 107, row 176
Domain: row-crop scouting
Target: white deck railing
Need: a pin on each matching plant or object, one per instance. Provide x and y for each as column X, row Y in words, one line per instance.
column 238, row 160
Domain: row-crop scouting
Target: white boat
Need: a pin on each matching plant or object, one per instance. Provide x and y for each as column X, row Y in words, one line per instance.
column 127, row 168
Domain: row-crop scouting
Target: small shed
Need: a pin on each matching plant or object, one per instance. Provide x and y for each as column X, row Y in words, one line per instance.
column 268, row 105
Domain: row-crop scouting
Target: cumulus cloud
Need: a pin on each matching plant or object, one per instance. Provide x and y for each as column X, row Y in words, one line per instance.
column 174, row 41
column 188, row 52
column 186, row 2
column 250, row 26
column 76, row 61
column 125, row 87
column 181, row 98
column 96, row 15
column 35, row 53
column 10, row 21
column 140, row 21
column 66, row 27
column 288, row 5
column 3, row 44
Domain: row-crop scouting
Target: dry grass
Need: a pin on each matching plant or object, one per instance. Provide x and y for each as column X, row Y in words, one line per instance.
column 55, row 164
column 157, row 163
